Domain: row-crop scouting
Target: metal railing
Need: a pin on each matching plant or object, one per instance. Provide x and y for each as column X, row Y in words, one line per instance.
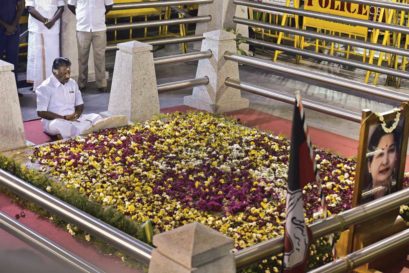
column 330, row 225
column 44, row 245
column 331, row 59
column 315, row 35
column 184, row 84
column 365, row 255
column 157, row 4
column 166, row 41
column 380, row 4
column 324, row 80
column 120, row 240
column 193, row 20
column 180, row 58
column 323, row 16
column 308, row 104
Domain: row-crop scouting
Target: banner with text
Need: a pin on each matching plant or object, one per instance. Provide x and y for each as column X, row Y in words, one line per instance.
column 339, row 8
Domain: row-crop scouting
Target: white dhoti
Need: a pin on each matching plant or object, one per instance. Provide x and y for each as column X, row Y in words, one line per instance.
column 67, row 128
column 43, row 48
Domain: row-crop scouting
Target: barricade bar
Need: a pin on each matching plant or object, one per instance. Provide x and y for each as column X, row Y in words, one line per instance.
column 308, row 104
column 323, row 16
column 324, row 80
column 197, row 19
column 120, row 240
column 178, row 85
column 365, row 255
column 44, row 245
column 157, row 4
column 167, row 41
column 387, row 49
column 331, row 59
column 330, row 225
column 383, row 4
column 181, row 58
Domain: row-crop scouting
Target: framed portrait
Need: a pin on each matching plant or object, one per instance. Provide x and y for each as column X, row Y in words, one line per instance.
column 381, row 154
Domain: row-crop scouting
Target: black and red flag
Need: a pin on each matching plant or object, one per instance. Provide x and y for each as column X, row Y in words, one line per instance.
column 302, row 170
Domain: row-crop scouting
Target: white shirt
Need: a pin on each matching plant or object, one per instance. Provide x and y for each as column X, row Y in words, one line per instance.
column 47, row 9
column 61, row 99
column 90, row 14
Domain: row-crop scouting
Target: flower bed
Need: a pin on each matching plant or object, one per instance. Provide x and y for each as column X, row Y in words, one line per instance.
column 182, row 168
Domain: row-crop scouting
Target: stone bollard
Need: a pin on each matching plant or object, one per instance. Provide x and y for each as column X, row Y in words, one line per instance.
column 11, row 122
column 192, row 248
column 222, row 12
column 216, row 97
column 134, row 91
column 69, row 48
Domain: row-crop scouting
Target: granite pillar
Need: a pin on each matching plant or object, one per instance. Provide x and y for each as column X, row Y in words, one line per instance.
column 222, row 12
column 11, row 121
column 134, row 91
column 216, row 97
column 192, row 248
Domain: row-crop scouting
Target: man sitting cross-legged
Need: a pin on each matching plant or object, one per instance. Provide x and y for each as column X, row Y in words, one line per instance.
column 60, row 105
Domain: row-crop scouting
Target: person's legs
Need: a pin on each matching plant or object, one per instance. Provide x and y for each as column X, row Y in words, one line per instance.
column 99, row 43
column 31, row 56
column 60, row 127
column 84, row 44
column 52, row 44
column 9, row 47
column 2, row 44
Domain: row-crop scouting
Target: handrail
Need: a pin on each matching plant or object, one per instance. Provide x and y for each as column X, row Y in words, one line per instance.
column 330, row 225
column 39, row 242
column 374, row 68
column 135, row 248
column 324, row 80
column 157, row 4
column 167, row 41
column 315, row 35
column 323, row 16
column 197, row 19
column 308, row 104
column 365, row 255
column 180, row 58
column 383, row 4
column 178, row 85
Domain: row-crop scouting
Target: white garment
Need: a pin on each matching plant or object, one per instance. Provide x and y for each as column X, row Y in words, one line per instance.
column 47, row 9
column 43, row 43
column 61, row 99
column 53, row 96
column 67, row 128
column 42, row 51
column 90, row 14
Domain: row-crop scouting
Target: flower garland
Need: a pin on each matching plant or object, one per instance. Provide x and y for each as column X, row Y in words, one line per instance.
column 393, row 125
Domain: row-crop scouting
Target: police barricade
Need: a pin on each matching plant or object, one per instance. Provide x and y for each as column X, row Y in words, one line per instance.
column 162, row 10
column 353, row 20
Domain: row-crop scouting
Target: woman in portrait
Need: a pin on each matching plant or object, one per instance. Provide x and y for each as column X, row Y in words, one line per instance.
column 382, row 158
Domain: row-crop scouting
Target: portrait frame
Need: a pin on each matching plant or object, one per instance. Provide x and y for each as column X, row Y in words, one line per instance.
column 352, row 239
column 370, row 121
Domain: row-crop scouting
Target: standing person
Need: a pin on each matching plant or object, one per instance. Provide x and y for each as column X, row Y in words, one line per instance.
column 10, row 13
column 91, row 29
column 43, row 39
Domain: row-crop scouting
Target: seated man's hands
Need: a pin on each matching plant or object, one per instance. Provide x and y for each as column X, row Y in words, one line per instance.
column 72, row 117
